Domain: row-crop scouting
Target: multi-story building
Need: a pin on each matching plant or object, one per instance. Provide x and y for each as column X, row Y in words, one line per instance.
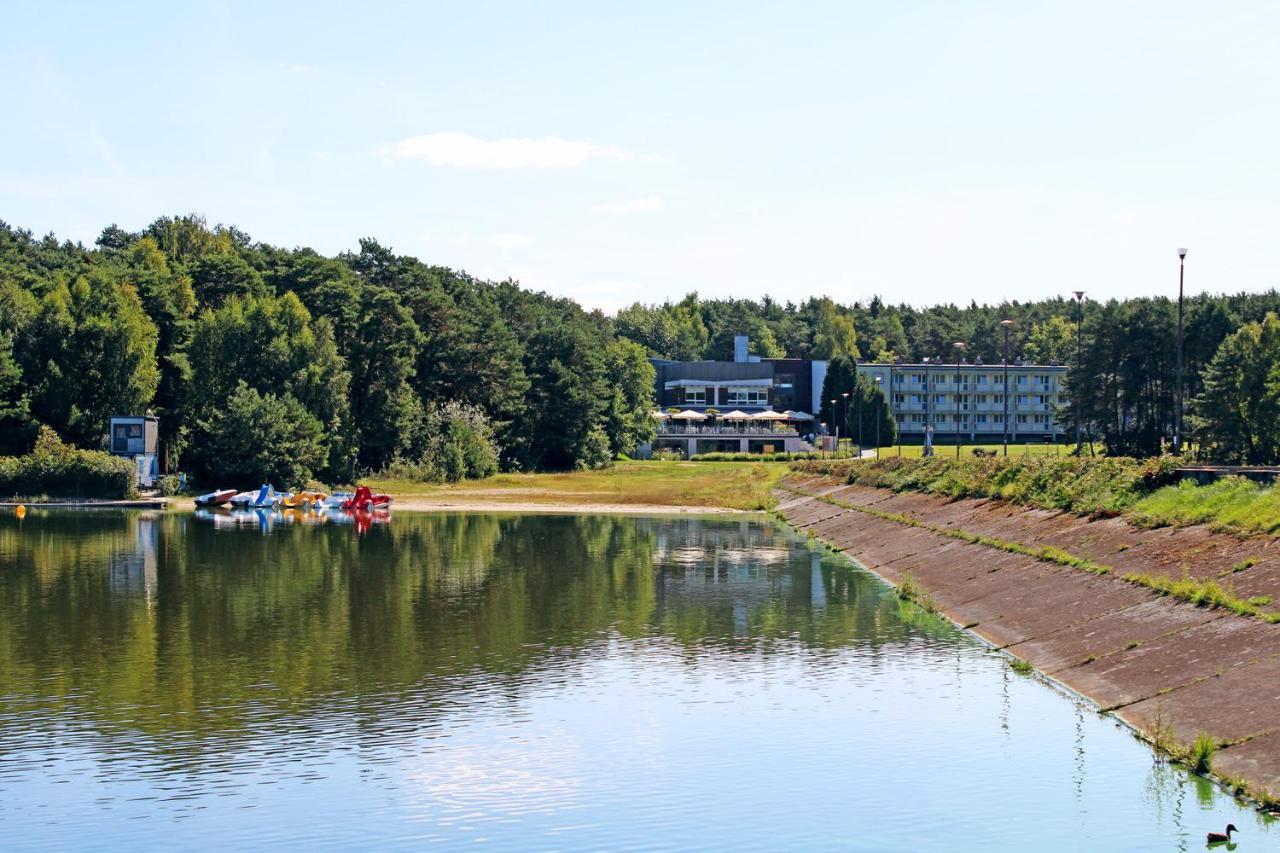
column 782, row 397
column 972, row 400
column 778, row 396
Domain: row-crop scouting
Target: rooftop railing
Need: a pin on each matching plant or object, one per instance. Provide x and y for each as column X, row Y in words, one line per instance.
column 668, row 428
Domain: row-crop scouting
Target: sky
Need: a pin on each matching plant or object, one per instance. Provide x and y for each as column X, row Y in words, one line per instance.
column 925, row 152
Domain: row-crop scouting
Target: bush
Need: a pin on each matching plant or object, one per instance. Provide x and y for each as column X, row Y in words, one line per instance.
column 752, row 457
column 449, row 443
column 58, row 470
column 170, row 485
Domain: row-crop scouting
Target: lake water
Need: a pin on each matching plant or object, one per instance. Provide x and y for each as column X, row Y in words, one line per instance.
column 529, row 682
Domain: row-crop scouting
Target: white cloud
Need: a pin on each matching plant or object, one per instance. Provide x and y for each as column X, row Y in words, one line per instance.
column 634, row 205
column 470, row 152
column 511, row 241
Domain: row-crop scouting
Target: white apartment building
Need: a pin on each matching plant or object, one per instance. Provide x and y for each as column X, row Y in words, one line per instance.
column 972, row 400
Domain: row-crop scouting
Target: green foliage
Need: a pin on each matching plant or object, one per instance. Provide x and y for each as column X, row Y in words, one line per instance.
column 1229, row 502
column 1236, row 418
column 1051, row 342
column 857, row 413
column 60, row 471
column 753, row 457
column 1021, row 667
column 259, row 438
column 449, row 443
column 1085, row 486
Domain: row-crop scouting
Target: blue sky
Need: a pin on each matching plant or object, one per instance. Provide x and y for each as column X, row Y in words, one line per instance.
column 926, row 152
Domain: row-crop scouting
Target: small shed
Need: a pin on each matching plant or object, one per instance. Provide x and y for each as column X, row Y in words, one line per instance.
column 137, row 437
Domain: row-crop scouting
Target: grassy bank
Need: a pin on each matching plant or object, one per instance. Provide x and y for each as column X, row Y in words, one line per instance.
column 1107, row 486
column 730, row 485
column 1147, row 492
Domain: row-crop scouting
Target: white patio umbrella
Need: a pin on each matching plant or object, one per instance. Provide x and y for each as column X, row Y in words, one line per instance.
column 798, row 416
column 769, row 415
column 689, row 415
column 736, row 415
column 660, row 416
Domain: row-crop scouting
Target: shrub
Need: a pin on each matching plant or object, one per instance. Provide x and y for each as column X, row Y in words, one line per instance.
column 170, row 485
column 58, row 470
column 449, row 443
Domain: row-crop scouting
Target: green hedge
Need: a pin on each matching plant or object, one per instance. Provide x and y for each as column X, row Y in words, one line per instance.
column 752, row 457
column 67, row 473
column 1086, row 486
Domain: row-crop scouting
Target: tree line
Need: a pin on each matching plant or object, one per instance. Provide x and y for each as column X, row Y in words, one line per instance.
column 285, row 362
column 265, row 362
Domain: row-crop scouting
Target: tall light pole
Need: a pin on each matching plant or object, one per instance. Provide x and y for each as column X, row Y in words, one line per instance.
column 1006, row 324
column 1079, row 368
column 878, row 408
column 959, row 345
column 835, row 423
column 1177, row 412
column 845, row 395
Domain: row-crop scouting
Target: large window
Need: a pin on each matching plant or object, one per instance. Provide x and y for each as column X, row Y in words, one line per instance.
column 695, row 395
column 748, row 396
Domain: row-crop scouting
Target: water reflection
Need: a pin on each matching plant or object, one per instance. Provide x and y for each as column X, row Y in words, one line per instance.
column 539, row 681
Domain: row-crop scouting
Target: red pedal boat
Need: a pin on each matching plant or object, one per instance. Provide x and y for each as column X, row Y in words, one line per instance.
column 364, row 498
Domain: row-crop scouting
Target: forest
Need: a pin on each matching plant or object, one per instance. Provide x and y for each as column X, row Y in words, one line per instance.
column 265, row 362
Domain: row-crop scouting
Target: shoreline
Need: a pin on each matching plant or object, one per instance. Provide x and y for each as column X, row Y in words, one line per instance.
column 1166, row 669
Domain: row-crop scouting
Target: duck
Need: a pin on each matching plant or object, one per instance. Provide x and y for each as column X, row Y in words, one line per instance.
column 1219, row 837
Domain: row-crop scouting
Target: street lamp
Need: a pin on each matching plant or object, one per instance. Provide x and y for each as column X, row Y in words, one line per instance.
column 878, row 408
column 1177, row 412
column 1079, row 383
column 845, row 395
column 1006, row 324
column 959, row 345
column 835, row 423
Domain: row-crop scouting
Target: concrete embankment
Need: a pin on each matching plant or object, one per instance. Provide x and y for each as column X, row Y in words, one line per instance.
column 1169, row 668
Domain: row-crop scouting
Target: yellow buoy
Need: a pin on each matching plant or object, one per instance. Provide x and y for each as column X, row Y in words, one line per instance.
column 21, row 511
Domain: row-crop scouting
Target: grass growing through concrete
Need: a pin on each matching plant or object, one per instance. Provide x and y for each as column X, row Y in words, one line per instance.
column 910, row 590
column 1200, row 756
column 1021, row 667
column 1207, row 593
column 731, row 485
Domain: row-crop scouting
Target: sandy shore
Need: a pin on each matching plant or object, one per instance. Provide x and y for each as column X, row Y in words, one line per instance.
column 585, row 508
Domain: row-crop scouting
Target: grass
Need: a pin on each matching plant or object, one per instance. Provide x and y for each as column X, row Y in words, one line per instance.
column 1021, row 667
column 729, row 485
column 910, row 590
column 1207, row 593
column 1102, row 487
column 1232, row 503
column 1200, row 755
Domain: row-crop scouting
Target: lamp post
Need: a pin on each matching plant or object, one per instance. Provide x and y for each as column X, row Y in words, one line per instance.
column 1177, row 412
column 1006, row 324
column 959, row 345
column 845, row 395
column 878, row 408
column 1079, row 367
column 835, row 423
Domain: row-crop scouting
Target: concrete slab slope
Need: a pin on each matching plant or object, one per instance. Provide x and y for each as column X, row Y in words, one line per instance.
column 1160, row 664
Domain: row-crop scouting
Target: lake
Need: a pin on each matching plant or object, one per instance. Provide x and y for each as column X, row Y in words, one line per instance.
column 204, row 681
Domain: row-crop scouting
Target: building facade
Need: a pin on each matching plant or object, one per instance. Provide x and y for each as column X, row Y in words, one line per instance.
column 137, row 437
column 779, row 395
column 972, row 400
